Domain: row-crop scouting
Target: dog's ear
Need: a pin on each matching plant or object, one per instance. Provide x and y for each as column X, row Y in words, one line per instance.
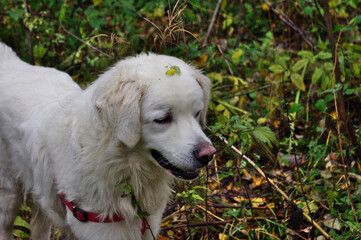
column 119, row 107
column 205, row 84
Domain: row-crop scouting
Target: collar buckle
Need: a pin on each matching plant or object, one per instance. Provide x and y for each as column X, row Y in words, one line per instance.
column 80, row 214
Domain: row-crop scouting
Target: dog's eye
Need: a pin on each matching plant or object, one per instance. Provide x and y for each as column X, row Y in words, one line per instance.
column 197, row 114
column 164, row 120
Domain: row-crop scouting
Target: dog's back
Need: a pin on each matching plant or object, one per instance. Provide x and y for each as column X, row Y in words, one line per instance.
column 27, row 86
column 28, row 96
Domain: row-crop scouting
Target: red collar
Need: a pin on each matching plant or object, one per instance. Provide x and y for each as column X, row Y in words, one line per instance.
column 85, row 216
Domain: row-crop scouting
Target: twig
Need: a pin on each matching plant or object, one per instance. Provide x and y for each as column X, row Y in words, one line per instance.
column 150, row 229
column 201, row 224
column 284, row 195
column 214, row 223
column 28, row 32
column 337, row 73
column 186, row 212
column 239, row 22
column 355, row 176
column 92, row 47
column 210, row 213
column 225, row 59
column 338, row 101
column 206, row 210
column 288, row 21
column 171, row 215
column 215, row 14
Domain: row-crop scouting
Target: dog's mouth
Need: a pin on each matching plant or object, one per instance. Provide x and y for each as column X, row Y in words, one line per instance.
column 176, row 172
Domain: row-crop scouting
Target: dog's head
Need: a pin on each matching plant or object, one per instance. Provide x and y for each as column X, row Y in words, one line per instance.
column 161, row 110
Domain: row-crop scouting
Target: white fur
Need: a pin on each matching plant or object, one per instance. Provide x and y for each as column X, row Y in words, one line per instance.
column 56, row 138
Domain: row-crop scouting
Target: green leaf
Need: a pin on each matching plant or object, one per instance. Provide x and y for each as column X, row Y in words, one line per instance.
column 229, row 163
column 326, row 83
column 324, row 55
column 20, row 234
column 170, row 72
column 39, row 51
column 25, row 208
column 142, row 214
column 237, row 80
column 283, row 61
column 328, row 97
column 21, row 222
column 298, row 81
column 197, row 197
column 305, row 54
column 356, row 20
column 317, row 74
column 328, row 66
column 321, row 105
column 276, row 68
column 15, row 14
column 296, row 107
column 215, row 76
column 173, row 70
column 299, row 65
column 127, row 189
column 265, row 135
column 236, row 57
column 308, row 11
column 338, row 86
column 63, row 10
column 220, row 107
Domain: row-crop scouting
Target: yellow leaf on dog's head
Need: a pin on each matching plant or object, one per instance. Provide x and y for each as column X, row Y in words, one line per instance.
column 173, row 70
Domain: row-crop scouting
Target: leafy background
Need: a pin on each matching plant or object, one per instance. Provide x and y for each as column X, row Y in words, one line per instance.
column 274, row 95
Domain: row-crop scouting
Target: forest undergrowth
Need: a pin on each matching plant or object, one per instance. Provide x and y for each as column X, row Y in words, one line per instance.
column 284, row 113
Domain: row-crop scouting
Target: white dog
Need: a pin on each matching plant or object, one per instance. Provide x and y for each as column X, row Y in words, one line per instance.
column 73, row 152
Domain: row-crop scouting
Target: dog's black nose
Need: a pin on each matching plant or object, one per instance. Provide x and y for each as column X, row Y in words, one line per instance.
column 204, row 152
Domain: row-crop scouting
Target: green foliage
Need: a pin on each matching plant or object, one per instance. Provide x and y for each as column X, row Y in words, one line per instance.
column 271, row 92
column 191, row 196
column 127, row 191
column 265, row 135
column 20, row 226
column 173, row 70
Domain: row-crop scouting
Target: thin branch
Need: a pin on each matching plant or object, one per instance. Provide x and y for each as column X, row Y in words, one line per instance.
column 214, row 17
column 206, row 210
column 239, row 22
column 289, row 22
column 201, row 224
column 150, row 229
column 225, row 59
column 340, row 106
column 355, row 176
column 337, row 73
column 92, row 47
column 28, row 32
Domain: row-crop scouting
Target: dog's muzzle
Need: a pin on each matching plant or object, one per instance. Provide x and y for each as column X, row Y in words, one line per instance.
column 202, row 152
